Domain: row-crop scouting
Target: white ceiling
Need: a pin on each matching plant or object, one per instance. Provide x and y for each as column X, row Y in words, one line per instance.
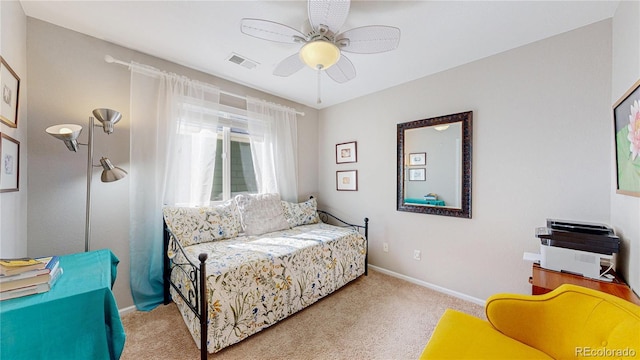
column 435, row 36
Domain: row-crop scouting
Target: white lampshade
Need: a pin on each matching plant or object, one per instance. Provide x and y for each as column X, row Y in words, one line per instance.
column 320, row 54
column 66, row 132
column 441, row 127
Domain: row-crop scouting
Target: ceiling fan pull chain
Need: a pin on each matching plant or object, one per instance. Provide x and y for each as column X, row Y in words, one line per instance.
column 319, row 100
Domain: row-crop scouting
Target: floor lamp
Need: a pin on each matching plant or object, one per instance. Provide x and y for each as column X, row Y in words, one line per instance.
column 69, row 134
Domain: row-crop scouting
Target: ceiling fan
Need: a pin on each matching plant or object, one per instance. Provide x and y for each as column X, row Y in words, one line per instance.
column 322, row 43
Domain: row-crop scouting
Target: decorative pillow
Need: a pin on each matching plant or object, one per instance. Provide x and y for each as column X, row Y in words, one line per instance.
column 198, row 225
column 301, row 214
column 261, row 213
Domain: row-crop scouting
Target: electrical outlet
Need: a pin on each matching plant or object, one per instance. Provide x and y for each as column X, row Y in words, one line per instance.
column 416, row 254
column 385, row 247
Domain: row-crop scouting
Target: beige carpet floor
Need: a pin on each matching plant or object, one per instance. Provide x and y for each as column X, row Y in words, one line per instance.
column 373, row 317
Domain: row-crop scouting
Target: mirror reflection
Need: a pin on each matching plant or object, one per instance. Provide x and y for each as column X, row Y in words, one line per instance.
column 433, row 180
column 434, row 165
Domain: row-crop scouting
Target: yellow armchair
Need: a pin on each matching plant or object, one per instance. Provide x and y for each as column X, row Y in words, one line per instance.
column 569, row 322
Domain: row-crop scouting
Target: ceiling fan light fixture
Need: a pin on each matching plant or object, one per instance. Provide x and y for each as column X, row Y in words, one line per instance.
column 320, row 54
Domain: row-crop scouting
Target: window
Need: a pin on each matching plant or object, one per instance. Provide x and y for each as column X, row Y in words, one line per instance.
column 234, row 173
column 214, row 160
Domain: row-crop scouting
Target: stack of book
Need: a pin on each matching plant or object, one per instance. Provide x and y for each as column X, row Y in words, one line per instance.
column 27, row 276
column 431, row 196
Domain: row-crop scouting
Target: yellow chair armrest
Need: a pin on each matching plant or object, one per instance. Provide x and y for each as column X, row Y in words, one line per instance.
column 567, row 321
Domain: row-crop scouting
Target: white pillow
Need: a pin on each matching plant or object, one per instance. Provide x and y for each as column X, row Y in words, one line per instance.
column 261, row 213
column 204, row 224
column 303, row 213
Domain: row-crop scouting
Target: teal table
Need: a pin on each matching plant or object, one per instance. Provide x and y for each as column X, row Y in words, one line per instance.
column 77, row 319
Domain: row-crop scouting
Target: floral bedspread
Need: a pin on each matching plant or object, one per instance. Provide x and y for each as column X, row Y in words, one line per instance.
column 255, row 281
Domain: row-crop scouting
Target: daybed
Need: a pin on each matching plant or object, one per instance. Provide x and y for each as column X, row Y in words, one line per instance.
column 569, row 322
column 238, row 268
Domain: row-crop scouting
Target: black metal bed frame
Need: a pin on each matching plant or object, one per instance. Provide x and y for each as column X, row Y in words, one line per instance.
column 196, row 299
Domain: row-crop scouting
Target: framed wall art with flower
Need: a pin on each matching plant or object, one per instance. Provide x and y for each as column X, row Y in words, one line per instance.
column 347, row 180
column 346, row 152
column 626, row 122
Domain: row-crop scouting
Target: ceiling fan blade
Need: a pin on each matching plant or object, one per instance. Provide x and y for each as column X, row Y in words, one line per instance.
column 369, row 39
column 328, row 13
column 289, row 66
column 342, row 71
column 272, row 31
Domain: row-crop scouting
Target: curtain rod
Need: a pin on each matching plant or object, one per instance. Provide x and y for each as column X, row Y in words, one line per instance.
column 111, row 60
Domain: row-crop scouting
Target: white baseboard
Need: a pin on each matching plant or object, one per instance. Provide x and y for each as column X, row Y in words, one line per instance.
column 441, row 289
column 127, row 310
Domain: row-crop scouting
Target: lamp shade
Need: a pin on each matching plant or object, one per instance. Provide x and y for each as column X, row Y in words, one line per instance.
column 110, row 172
column 441, row 127
column 66, row 132
column 108, row 118
column 320, row 54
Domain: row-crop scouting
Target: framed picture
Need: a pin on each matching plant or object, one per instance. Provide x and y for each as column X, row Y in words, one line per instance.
column 347, row 180
column 9, row 163
column 626, row 123
column 10, row 89
column 346, row 152
column 417, row 159
column 417, row 174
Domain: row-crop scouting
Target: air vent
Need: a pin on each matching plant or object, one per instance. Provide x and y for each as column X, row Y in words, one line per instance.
column 242, row 61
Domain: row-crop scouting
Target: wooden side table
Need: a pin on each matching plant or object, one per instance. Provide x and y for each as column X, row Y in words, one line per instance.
column 544, row 280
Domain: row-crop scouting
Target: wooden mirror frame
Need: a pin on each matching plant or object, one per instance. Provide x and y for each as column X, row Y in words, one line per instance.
column 466, row 118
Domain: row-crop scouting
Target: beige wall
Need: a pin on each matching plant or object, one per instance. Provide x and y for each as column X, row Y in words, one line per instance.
column 69, row 79
column 625, row 210
column 541, row 149
column 13, row 205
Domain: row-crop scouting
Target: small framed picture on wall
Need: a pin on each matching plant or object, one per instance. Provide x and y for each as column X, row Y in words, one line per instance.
column 347, row 180
column 417, row 159
column 9, row 163
column 9, row 91
column 346, row 152
column 419, row 174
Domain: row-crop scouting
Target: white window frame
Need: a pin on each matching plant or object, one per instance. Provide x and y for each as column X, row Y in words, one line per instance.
column 228, row 117
column 227, row 136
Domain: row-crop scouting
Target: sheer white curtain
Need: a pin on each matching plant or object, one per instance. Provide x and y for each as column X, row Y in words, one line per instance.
column 274, row 147
column 173, row 126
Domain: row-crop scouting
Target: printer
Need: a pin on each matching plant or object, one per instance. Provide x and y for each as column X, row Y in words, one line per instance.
column 577, row 247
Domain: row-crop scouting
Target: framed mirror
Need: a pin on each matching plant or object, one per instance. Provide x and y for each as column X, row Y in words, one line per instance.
column 434, row 165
